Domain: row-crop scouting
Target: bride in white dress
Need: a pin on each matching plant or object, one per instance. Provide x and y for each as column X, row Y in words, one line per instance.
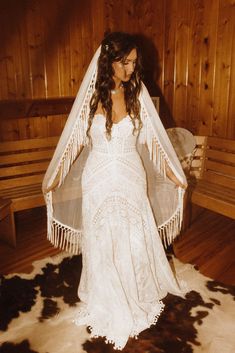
column 125, row 270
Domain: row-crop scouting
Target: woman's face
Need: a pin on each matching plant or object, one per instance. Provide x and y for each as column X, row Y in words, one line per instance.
column 124, row 69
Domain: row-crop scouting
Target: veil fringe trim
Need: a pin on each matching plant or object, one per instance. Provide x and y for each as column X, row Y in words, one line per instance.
column 78, row 137
column 156, row 152
column 65, row 237
column 69, row 239
column 170, row 229
column 61, row 235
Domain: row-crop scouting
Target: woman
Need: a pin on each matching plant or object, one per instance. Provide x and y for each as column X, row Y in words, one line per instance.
column 125, row 271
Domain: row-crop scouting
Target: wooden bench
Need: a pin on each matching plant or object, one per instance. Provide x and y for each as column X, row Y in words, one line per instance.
column 214, row 171
column 22, row 167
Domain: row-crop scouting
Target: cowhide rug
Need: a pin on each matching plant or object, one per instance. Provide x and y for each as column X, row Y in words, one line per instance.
column 36, row 313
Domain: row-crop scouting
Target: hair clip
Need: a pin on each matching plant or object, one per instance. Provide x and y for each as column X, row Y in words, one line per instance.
column 106, row 47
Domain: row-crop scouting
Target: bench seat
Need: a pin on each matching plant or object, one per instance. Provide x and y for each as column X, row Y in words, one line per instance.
column 215, row 188
column 215, row 197
column 22, row 167
column 24, row 197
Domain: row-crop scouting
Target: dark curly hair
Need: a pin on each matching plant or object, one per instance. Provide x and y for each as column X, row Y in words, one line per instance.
column 116, row 46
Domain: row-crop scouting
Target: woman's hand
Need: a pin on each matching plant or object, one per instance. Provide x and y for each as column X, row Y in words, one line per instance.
column 53, row 186
column 173, row 178
column 180, row 185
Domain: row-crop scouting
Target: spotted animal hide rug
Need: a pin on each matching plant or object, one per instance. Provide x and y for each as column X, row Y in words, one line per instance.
column 37, row 311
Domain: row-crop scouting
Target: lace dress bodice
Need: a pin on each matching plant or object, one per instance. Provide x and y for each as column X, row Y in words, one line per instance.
column 122, row 140
column 115, row 159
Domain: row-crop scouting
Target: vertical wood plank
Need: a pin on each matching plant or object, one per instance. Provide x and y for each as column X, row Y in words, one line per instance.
column 64, row 63
column 39, row 127
column 114, row 20
column 9, row 130
column 208, row 64
column 64, row 60
column 11, row 74
column 52, row 31
column 24, row 76
column 194, row 63
column 87, row 35
column 7, row 36
column 35, row 42
column 231, row 100
column 3, row 39
column 55, row 124
column 151, row 25
column 98, row 23
column 24, row 126
column 223, row 68
column 169, row 65
column 77, row 51
column 181, row 63
column 15, row 70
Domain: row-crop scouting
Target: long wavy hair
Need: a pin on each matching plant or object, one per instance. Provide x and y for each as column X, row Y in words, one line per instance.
column 116, row 46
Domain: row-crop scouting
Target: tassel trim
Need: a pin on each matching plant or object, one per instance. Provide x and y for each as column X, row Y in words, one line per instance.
column 78, row 136
column 156, row 152
column 70, row 239
column 64, row 237
column 171, row 228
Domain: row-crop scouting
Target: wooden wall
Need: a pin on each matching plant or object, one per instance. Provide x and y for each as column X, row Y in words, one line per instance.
column 188, row 46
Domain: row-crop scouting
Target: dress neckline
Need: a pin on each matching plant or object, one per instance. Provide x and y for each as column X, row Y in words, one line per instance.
column 125, row 117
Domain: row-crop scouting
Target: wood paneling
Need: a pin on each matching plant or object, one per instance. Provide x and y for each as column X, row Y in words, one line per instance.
column 225, row 26
column 181, row 57
column 32, row 118
column 231, row 99
column 207, row 55
column 199, row 37
column 188, row 47
column 194, row 63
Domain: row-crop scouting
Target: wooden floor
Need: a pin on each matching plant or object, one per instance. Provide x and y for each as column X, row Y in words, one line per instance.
column 32, row 243
column 209, row 243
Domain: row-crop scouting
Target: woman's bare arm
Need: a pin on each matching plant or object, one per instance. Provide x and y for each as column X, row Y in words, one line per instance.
column 173, row 178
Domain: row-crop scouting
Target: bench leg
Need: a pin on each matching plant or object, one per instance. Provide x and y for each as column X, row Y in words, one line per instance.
column 7, row 229
column 187, row 212
column 191, row 211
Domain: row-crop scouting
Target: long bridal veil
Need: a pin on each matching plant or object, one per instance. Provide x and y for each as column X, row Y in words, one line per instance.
column 64, row 203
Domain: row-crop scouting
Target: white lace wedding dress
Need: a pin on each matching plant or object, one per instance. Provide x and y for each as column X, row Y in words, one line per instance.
column 125, row 270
